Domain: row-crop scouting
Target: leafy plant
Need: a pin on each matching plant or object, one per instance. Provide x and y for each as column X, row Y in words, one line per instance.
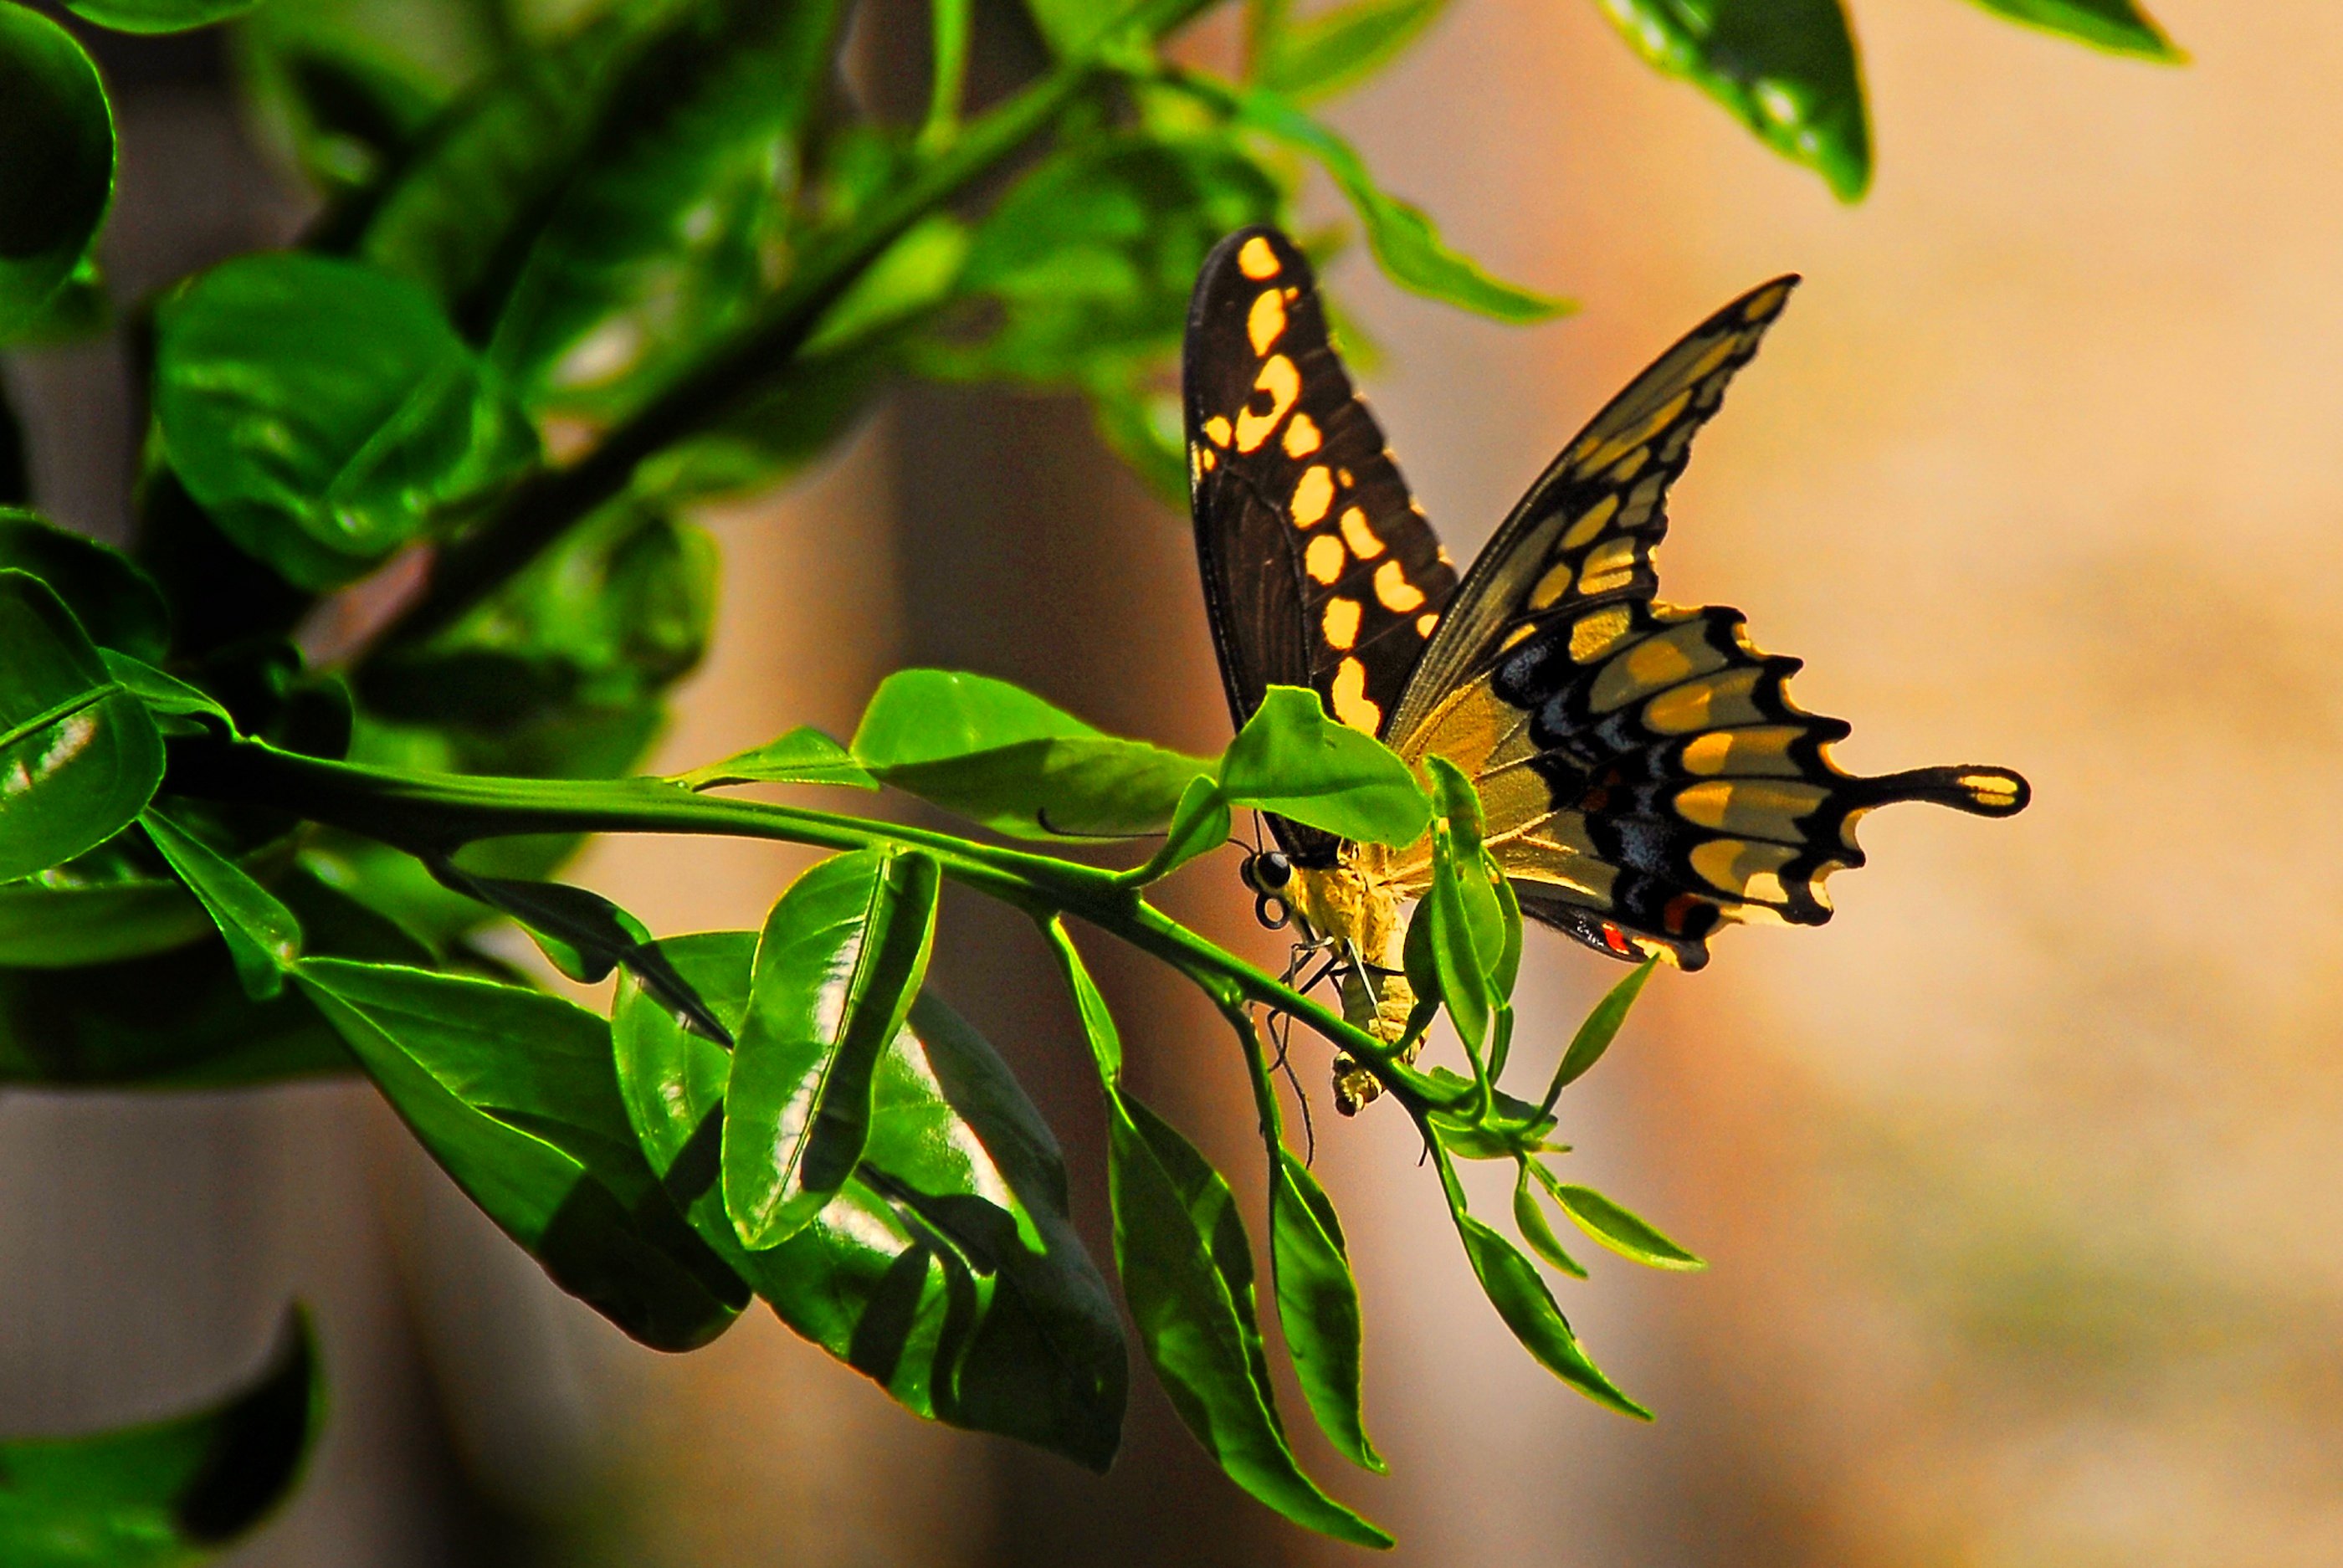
column 573, row 270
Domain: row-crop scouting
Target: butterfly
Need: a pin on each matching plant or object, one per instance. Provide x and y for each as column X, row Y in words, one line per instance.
column 1644, row 776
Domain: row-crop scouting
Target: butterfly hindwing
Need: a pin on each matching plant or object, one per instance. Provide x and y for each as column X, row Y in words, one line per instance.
column 1319, row 569
column 1645, row 774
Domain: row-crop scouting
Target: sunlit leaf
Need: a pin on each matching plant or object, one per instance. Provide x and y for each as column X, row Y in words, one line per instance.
column 262, row 935
column 946, row 1269
column 514, row 1093
column 1599, row 1029
column 171, row 1492
column 838, row 965
column 1200, row 824
column 324, row 413
column 1318, row 1306
column 1531, row 1221
column 803, row 756
column 79, row 756
column 999, row 755
column 1292, row 758
column 1512, row 1284
column 1784, row 68
column 57, row 162
column 2114, row 24
column 1332, row 50
column 1626, row 1233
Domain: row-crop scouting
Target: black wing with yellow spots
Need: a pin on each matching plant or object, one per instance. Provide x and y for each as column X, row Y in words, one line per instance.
column 1646, row 776
column 1319, row 571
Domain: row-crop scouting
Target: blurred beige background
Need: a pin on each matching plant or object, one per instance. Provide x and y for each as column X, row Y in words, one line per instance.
column 2016, row 1180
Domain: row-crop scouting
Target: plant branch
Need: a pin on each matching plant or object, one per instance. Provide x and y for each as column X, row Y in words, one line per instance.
column 539, row 511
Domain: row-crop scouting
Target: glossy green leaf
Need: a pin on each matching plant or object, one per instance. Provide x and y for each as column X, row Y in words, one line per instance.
column 166, row 697
column 1513, row 1286
column 1292, row 758
column 1318, row 1306
column 1531, row 1221
column 663, row 233
column 118, row 603
column 157, row 16
column 946, row 1269
column 838, row 965
column 1200, row 825
column 324, row 413
column 1784, row 68
column 1187, row 1274
column 1336, row 49
column 1623, row 1232
column 908, row 279
column 1444, row 932
column 2113, row 24
column 1508, row 966
column 78, row 755
column 514, row 1093
column 1090, row 1006
column 1086, row 264
column 1595, row 1034
column 803, row 756
column 999, row 755
column 57, row 162
column 262, row 935
column 1510, row 1121
column 1405, row 243
column 171, row 1492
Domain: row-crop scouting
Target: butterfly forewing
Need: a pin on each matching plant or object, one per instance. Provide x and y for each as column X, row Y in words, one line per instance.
column 1319, row 569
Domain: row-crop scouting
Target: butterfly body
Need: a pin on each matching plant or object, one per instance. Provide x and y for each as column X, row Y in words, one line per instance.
column 1644, row 777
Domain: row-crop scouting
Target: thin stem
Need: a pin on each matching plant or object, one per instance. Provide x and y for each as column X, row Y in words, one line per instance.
column 439, row 813
column 949, row 28
column 539, row 511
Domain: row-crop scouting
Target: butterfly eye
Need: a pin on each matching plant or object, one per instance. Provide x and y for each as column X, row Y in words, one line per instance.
column 1270, row 871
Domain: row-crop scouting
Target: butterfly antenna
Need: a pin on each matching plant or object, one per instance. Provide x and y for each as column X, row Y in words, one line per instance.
column 1041, row 816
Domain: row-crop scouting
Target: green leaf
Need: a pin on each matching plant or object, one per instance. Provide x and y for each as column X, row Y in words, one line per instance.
column 1187, row 1274
column 804, row 756
column 1090, row 1007
column 157, row 16
column 1623, row 1232
column 514, row 1093
column 1294, row 760
column 999, row 755
column 1406, row 245
column 263, row 936
column 1200, row 825
column 1531, row 1221
column 1085, row 267
column 1318, row 1306
column 1513, row 1286
column 2113, row 24
column 171, row 1493
column 324, row 414
column 1508, row 966
column 79, row 756
column 166, row 697
column 1594, row 1036
column 118, row 603
column 1334, row 50
column 665, row 230
column 838, row 965
column 947, row 1268
column 908, row 279
column 1066, row 26
column 348, row 89
column 585, row 936
column 57, row 162
column 1441, row 940
column 1784, row 68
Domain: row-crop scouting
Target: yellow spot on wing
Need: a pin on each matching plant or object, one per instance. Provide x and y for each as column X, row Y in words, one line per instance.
column 1350, row 704
column 1301, row 436
column 1761, row 306
column 1657, row 420
column 1655, row 663
column 1265, row 322
column 1256, row 260
column 1551, row 587
column 1312, row 494
column 1341, row 622
column 1594, row 634
column 1711, row 703
column 1282, row 382
column 1324, row 559
column 1742, row 752
column 1768, row 809
column 1590, row 522
column 1363, row 540
column 1207, row 459
column 1392, row 588
column 1425, row 624
column 1610, row 565
column 1216, row 431
column 1744, row 870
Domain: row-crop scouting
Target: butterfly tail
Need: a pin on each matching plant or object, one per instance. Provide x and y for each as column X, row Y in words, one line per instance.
column 1979, row 791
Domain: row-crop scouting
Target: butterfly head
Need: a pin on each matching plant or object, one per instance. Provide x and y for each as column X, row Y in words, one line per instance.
column 1270, row 874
